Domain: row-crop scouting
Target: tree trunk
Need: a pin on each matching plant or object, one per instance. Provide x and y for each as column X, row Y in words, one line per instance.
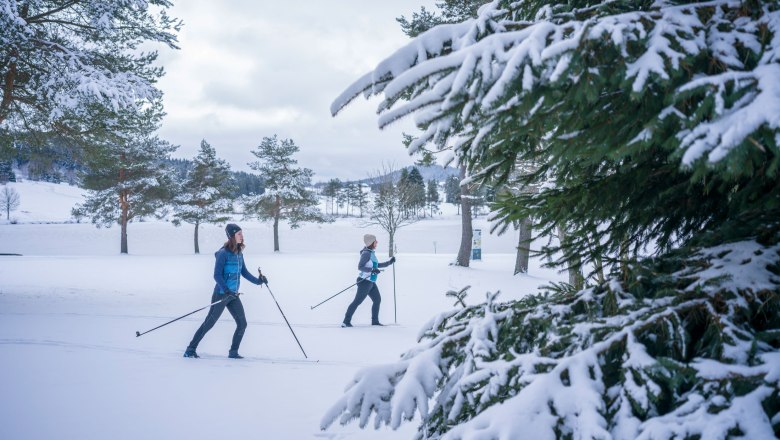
column 277, row 214
column 10, row 77
column 124, row 206
column 467, row 232
column 624, row 257
column 523, row 246
column 123, row 223
column 391, row 244
column 197, row 248
column 575, row 274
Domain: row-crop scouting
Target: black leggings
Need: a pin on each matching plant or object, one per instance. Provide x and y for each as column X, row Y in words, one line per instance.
column 366, row 288
column 235, row 308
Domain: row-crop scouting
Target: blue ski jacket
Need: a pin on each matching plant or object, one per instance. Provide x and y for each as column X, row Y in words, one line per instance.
column 367, row 263
column 228, row 269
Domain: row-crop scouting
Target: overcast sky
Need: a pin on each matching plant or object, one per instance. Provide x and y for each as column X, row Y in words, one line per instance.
column 254, row 68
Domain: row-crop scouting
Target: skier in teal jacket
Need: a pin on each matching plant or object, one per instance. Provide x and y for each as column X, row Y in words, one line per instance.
column 368, row 269
column 229, row 267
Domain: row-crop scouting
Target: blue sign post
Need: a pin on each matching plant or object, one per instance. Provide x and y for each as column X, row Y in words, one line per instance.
column 476, row 245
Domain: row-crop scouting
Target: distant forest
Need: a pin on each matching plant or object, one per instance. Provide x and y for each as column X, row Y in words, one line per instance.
column 53, row 162
column 246, row 183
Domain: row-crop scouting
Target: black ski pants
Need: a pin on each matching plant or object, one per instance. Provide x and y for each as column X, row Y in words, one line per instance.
column 235, row 308
column 365, row 289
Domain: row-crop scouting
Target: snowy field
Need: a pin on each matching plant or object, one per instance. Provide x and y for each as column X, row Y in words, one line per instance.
column 70, row 306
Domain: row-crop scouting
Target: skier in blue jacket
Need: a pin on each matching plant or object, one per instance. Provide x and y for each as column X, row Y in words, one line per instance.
column 368, row 268
column 228, row 269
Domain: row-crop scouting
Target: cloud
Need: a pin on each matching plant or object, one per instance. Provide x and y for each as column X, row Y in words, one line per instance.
column 249, row 69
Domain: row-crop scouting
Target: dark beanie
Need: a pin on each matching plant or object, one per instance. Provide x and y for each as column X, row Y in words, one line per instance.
column 231, row 229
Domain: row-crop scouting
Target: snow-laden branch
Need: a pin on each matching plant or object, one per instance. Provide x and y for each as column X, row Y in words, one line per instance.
column 60, row 60
column 611, row 362
column 461, row 78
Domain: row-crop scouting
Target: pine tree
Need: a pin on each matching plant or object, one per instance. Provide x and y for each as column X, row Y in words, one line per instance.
column 452, row 191
column 342, row 198
column 403, row 185
column 653, row 126
column 330, row 190
column 65, row 66
column 247, row 183
column 432, row 196
column 7, row 172
column 126, row 176
column 353, row 196
column 207, row 192
column 416, row 188
column 361, row 198
column 287, row 195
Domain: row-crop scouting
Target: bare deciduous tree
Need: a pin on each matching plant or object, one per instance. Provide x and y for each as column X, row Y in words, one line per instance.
column 388, row 208
column 9, row 200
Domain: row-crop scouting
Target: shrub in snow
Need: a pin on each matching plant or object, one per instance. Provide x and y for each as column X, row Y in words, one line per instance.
column 688, row 346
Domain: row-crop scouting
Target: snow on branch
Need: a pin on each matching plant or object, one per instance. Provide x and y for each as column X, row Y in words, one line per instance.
column 614, row 361
column 459, row 78
column 61, row 59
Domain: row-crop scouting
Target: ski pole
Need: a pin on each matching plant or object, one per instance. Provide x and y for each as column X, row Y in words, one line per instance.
column 138, row 334
column 280, row 311
column 345, row 289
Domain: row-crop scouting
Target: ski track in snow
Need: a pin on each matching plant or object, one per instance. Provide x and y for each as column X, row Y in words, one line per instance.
column 70, row 309
column 162, row 319
column 166, row 355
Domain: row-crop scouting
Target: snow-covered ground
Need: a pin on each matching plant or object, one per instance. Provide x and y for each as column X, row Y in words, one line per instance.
column 70, row 306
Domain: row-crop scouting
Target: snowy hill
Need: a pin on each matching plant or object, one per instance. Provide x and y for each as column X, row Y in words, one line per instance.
column 44, row 202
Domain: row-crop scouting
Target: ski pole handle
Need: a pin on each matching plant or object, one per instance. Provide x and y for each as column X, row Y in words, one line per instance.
column 260, row 276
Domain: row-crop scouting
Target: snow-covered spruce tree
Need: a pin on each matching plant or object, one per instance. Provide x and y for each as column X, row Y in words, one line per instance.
column 287, row 195
column 64, row 64
column 415, row 186
column 126, row 176
column 330, row 190
column 686, row 347
column 653, row 124
column 207, row 192
column 432, row 195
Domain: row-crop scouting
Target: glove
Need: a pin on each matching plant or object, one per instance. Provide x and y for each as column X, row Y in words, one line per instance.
column 263, row 279
column 375, row 271
column 230, row 296
column 392, row 260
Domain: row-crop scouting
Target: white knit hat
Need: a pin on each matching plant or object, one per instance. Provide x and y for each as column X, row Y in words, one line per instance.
column 369, row 239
